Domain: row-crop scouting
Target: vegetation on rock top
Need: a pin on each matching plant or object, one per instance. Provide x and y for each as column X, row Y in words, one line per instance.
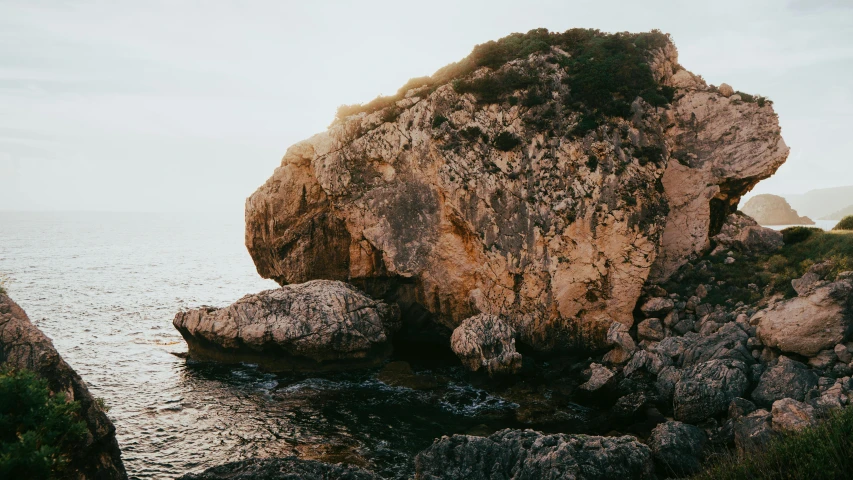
column 752, row 277
column 37, row 429
column 846, row 223
column 823, row 451
column 607, row 71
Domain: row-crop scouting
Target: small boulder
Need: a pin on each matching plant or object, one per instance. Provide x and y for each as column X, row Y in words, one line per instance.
column 619, row 337
column 726, row 90
column 843, row 353
column 651, row 329
column 657, row 307
column 787, row 379
column 729, row 342
column 706, row 389
column 753, row 430
column 317, row 325
column 790, row 415
column 677, row 448
column 740, row 232
column 599, row 376
column 485, row 341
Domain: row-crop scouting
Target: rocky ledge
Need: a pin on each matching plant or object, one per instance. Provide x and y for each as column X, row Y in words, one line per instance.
column 317, row 325
column 773, row 210
column 23, row 346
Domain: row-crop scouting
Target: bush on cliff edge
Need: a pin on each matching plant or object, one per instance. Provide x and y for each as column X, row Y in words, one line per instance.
column 846, row 223
column 37, row 429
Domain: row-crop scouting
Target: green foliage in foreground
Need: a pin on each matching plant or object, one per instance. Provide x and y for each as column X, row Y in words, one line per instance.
column 822, row 452
column 846, row 223
column 37, row 430
column 751, row 277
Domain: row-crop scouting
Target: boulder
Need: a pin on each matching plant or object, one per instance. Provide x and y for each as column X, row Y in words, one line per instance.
column 787, row 379
column 318, row 325
column 622, row 343
column 753, row 430
column 24, row 347
column 790, row 415
column 526, row 454
column 677, row 448
column 651, row 329
column 431, row 201
column 726, row 90
column 814, row 277
column 599, row 376
column 743, row 234
column 843, row 353
column 729, row 342
column 487, row 342
column 807, row 324
column 706, row 389
column 287, row 468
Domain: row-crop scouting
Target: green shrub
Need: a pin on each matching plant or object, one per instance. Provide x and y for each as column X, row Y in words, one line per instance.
column 824, row 451
column 438, row 120
column 37, row 430
column 792, row 235
column 506, row 141
column 592, row 163
column 846, row 223
column 492, row 87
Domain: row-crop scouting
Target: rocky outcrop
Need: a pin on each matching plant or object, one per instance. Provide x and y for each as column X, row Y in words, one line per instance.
column 787, row 379
column 820, row 317
column 708, row 388
column 23, row 346
column 485, row 341
column 516, row 455
column 458, row 201
column 743, row 234
column 769, row 209
column 288, row 468
column 312, row 326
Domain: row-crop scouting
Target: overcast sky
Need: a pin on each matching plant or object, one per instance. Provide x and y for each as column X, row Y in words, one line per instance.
column 188, row 106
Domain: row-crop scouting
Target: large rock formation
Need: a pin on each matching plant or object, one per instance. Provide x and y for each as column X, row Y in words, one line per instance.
column 316, row 325
column 521, row 187
column 773, row 210
column 23, row 346
column 526, row 454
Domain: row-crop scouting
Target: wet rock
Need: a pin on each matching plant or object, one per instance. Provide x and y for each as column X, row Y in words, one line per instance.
column 651, row 329
column 787, row 379
column 318, row 325
column 677, row 448
column 526, row 454
column 288, row 468
column 400, row 374
column 24, row 346
column 807, row 324
column 790, row 415
column 753, row 430
column 706, row 389
column 599, row 377
column 742, row 233
column 657, row 307
column 487, row 342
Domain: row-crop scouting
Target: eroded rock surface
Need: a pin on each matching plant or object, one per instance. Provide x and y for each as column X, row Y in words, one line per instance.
column 316, row 325
column 485, row 341
column 461, row 205
column 23, row 346
column 818, row 319
column 526, row 454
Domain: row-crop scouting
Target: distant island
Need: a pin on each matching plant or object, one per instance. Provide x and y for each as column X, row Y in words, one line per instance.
column 838, row 215
column 773, row 210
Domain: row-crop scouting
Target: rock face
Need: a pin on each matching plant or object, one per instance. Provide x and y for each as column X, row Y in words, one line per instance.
column 773, row 210
column 818, row 319
column 485, row 341
column 516, row 455
column 316, row 325
column 454, row 203
column 23, row 346
column 288, row 468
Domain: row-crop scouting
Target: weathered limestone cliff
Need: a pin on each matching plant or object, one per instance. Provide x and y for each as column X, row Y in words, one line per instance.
column 542, row 186
column 23, row 346
column 773, row 210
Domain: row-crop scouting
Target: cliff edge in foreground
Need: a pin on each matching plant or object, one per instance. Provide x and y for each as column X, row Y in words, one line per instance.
column 543, row 179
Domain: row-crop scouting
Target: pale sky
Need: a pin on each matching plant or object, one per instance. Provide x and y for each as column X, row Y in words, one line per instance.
column 188, row 106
